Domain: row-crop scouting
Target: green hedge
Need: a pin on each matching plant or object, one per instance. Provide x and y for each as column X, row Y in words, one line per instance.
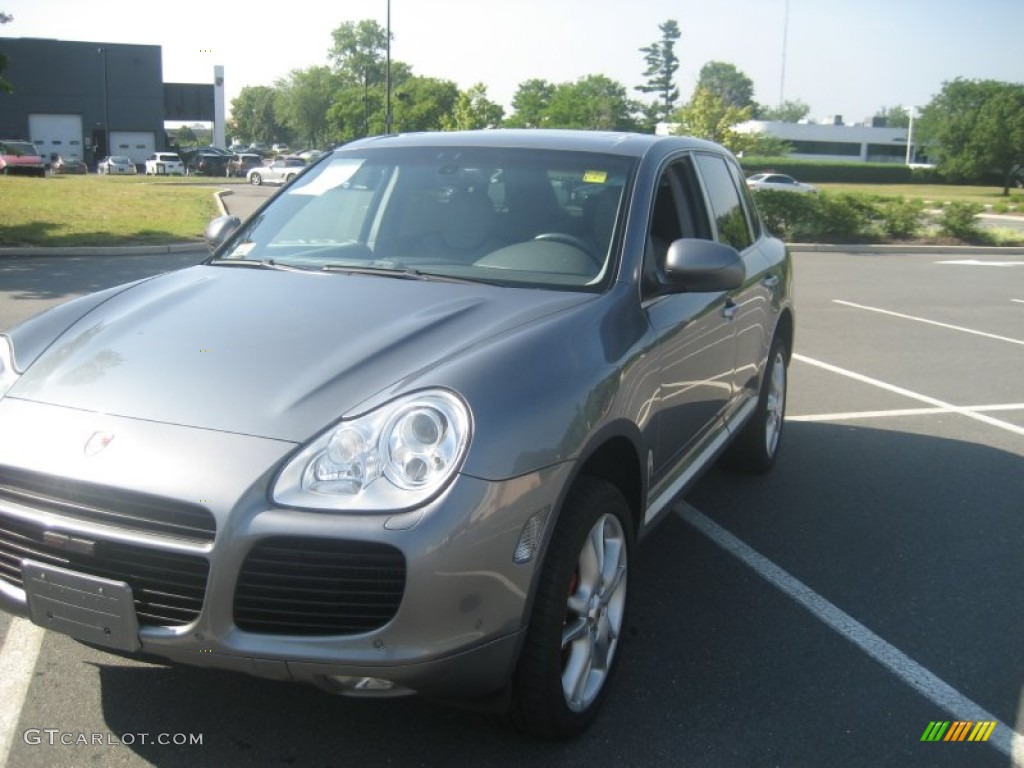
column 839, row 172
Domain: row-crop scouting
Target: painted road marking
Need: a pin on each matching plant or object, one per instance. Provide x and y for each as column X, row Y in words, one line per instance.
column 929, row 322
column 17, row 667
column 896, row 412
column 925, row 682
column 979, row 263
column 933, row 401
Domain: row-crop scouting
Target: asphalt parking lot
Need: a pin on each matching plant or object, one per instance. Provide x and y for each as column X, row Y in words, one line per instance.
column 824, row 614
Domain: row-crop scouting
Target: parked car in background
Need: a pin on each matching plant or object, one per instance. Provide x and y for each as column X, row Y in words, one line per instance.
column 68, row 165
column 395, row 436
column 205, row 162
column 259, row 148
column 162, row 163
column 280, row 171
column 280, row 149
column 309, row 155
column 116, row 165
column 20, row 158
column 779, row 181
column 242, row 163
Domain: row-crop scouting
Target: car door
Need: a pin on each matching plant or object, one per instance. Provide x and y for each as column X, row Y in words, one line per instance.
column 751, row 306
column 695, row 339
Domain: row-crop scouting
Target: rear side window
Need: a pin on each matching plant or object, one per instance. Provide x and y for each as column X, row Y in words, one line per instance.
column 726, row 207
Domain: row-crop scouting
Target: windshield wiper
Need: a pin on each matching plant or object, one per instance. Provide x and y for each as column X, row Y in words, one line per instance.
column 404, row 273
column 400, row 273
column 262, row 264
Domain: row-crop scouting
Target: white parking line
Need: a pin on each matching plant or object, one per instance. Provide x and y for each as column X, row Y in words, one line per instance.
column 929, row 322
column 933, row 401
column 17, row 667
column 925, row 682
column 1019, row 301
column 853, row 415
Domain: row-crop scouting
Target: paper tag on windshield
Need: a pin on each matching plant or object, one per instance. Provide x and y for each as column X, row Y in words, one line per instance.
column 595, row 177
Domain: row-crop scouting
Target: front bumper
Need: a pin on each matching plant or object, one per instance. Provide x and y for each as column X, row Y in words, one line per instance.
column 166, row 506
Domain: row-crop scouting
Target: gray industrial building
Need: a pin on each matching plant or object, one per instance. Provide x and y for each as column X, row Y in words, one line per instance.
column 90, row 99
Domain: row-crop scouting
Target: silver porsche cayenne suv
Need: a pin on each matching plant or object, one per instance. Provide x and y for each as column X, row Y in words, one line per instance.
column 402, row 431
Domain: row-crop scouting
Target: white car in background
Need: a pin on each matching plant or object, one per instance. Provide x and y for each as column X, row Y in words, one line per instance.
column 164, row 163
column 779, row 181
column 117, row 164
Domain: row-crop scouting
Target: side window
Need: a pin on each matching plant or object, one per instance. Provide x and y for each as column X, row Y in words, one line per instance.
column 726, row 208
column 748, row 199
column 678, row 212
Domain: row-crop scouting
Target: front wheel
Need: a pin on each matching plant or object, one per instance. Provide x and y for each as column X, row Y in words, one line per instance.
column 757, row 444
column 578, row 617
column 255, row 179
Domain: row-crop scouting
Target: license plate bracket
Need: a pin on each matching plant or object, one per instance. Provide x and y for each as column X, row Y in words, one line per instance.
column 89, row 608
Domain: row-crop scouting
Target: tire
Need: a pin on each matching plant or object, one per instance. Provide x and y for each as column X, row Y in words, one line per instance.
column 255, row 179
column 571, row 646
column 756, row 446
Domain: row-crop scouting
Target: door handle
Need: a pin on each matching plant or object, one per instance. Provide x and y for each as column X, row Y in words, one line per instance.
column 729, row 310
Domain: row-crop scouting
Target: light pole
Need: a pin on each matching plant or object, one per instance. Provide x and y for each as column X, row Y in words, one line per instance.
column 387, row 78
column 910, row 135
column 106, row 105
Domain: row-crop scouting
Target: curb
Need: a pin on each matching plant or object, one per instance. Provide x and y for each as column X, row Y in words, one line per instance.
column 979, row 250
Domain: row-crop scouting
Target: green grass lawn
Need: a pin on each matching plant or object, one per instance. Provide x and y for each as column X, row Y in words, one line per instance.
column 139, row 210
column 106, row 210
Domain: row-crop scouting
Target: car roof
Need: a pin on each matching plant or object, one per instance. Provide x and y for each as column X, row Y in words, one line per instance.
column 607, row 142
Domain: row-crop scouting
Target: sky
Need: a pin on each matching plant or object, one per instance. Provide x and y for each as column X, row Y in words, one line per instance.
column 842, row 57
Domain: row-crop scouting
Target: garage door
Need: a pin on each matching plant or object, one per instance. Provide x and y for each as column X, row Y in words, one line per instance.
column 138, row 145
column 57, row 135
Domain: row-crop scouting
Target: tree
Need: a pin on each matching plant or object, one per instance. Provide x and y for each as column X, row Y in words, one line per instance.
column 530, row 102
column 424, row 103
column 474, row 110
column 359, row 58
column 5, row 87
column 976, row 127
column 303, row 100
column 895, row 117
column 662, row 65
column 186, row 137
column 252, row 114
column 594, row 102
column 707, row 116
column 786, row 112
column 726, row 82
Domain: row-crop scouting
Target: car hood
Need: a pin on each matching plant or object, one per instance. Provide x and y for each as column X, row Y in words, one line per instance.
column 272, row 353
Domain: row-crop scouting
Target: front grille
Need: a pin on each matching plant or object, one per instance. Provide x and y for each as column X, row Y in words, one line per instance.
column 168, row 587
column 298, row 586
column 125, row 510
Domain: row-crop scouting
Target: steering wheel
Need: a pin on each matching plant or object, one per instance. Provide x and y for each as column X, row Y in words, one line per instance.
column 566, row 239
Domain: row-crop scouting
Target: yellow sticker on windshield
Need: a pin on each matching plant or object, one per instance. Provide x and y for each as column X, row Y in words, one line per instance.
column 595, row 177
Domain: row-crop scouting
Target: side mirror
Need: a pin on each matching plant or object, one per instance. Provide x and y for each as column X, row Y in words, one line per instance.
column 703, row 265
column 218, row 230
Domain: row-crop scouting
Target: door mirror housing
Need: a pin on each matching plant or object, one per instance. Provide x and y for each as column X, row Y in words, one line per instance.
column 219, row 230
column 702, row 265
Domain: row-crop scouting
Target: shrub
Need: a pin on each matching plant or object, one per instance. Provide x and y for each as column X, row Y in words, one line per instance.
column 959, row 220
column 785, row 214
column 1001, row 207
column 901, row 219
column 842, row 217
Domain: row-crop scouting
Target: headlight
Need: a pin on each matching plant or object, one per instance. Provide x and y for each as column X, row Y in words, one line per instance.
column 395, row 457
column 7, row 373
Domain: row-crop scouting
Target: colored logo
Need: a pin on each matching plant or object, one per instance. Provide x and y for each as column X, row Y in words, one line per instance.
column 98, row 442
column 958, row 730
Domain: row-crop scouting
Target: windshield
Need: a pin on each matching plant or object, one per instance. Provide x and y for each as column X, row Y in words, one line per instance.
column 536, row 217
column 18, row 149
